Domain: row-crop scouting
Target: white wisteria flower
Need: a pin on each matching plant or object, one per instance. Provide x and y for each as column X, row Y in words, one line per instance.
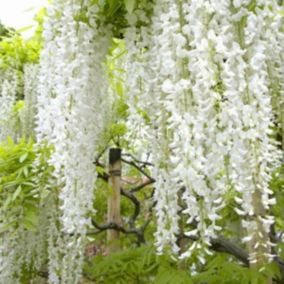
column 73, row 91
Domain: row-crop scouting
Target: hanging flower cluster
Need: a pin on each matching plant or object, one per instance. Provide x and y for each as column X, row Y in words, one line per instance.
column 165, row 26
column 205, row 86
column 252, row 153
column 8, row 92
column 30, row 94
column 137, row 39
column 17, row 246
column 207, row 90
column 9, row 253
column 73, row 91
column 22, row 248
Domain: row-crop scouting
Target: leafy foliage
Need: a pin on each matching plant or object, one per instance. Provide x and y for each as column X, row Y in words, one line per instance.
column 20, row 184
column 136, row 265
column 4, row 31
column 130, row 266
column 222, row 269
column 114, row 12
column 142, row 265
column 16, row 51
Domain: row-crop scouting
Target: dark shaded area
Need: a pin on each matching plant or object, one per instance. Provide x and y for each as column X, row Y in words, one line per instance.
column 5, row 31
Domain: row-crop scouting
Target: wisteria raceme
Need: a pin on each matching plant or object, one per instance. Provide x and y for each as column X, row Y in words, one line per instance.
column 137, row 36
column 247, row 115
column 207, row 92
column 185, row 122
column 30, row 94
column 140, row 81
column 205, row 87
column 274, row 37
column 143, row 75
column 55, row 242
column 203, row 166
column 73, row 91
column 165, row 24
column 143, row 103
column 9, row 270
column 8, row 92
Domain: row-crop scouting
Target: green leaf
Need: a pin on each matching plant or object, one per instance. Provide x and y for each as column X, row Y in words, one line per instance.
column 16, row 193
column 10, row 184
column 100, row 170
column 130, row 5
column 27, row 183
column 26, row 171
column 24, row 29
column 7, row 202
column 23, row 157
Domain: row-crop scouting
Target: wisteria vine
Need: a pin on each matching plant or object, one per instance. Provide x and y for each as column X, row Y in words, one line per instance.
column 73, row 90
column 204, row 83
column 207, row 83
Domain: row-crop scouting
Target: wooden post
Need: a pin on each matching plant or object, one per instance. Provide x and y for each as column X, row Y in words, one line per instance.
column 114, row 197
